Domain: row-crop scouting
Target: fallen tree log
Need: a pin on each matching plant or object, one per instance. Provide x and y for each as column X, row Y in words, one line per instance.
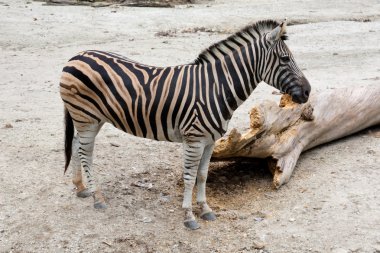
column 130, row 3
column 281, row 132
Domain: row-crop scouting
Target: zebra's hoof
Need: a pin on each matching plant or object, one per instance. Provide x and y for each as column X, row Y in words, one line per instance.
column 191, row 224
column 100, row 205
column 208, row 216
column 84, row 193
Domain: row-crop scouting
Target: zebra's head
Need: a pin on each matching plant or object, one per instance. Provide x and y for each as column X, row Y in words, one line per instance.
column 281, row 69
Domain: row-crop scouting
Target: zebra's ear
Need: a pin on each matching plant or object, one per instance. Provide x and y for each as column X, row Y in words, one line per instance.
column 278, row 32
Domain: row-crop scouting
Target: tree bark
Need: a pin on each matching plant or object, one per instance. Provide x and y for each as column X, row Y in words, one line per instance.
column 281, row 133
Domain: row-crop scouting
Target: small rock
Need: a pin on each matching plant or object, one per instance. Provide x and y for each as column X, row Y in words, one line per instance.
column 146, row 185
column 257, row 244
column 107, row 243
column 146, row 220
column 335, row 53
column 292, row 220
column 114, row 144
column 371, row 152
column 259, row 216
column 8, row 125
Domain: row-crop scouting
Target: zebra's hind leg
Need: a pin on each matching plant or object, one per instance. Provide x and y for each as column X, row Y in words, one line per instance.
column 192, row 155
column 206, row 213
column 87, row 136
column 81, row 190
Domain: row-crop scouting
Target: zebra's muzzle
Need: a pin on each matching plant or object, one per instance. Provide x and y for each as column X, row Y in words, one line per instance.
column 300, row 91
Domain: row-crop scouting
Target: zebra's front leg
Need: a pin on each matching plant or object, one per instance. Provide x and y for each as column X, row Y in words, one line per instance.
column 206, row 212
column 192, row 155
column 86, row 148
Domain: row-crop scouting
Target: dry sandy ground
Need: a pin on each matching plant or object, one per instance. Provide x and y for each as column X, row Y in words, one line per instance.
column 332, row 203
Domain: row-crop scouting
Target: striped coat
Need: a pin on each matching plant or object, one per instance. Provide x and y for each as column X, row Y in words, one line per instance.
column 189, row 103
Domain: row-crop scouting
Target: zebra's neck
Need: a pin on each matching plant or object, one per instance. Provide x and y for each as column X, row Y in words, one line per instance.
column 236, row 71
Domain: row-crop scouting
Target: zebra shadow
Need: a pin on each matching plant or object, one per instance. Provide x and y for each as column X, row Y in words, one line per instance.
column 242, row 175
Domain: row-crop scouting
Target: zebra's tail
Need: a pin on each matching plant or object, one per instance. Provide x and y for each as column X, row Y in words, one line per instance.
column 69, row 135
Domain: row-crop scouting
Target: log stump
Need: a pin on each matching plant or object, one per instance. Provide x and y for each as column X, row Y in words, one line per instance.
column 280, row 133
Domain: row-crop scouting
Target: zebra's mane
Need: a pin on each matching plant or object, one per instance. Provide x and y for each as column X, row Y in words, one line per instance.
column 254, row 30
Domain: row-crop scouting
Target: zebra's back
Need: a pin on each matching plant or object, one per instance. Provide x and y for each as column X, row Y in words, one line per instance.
column 142, row 100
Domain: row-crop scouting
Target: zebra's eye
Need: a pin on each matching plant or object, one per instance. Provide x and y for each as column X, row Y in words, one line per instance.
column 285, row 58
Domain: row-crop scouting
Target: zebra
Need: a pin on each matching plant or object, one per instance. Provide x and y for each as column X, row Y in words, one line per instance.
column 191, row 104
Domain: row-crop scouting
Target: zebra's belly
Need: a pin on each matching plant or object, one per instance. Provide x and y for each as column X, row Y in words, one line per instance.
column 171, row 135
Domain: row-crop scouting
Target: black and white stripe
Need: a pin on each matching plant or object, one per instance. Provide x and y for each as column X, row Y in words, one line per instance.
column 189, row 103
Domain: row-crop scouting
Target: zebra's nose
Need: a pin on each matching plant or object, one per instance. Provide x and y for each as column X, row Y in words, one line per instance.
column 306, row 88
column 300, row 91
column 306, row 93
